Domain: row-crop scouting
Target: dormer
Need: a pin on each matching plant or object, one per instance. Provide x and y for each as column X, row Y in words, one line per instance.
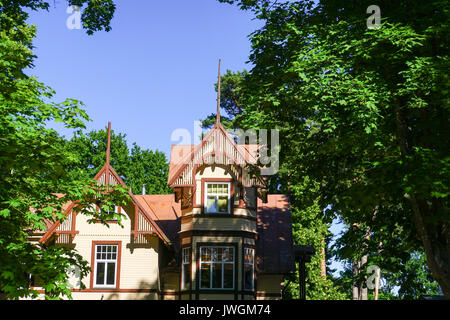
column 213, row 177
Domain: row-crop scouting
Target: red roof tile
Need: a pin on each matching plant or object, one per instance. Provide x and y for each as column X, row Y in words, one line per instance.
column 166, row 213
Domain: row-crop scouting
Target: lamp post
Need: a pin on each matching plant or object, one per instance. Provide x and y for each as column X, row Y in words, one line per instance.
column 302, row 256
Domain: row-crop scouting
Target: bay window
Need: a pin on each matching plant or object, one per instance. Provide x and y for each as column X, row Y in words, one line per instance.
column 217, row 267
column 249, row 268
column 186, row 269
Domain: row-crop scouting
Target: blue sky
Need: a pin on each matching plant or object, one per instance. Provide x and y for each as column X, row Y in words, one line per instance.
column 152, row 73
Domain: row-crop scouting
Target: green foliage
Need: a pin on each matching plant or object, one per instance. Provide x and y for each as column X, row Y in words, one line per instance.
column 310, row 228
column 364, row 114
column 308, row 223
column 32, row 162
column 413, row 281
column 230, row 99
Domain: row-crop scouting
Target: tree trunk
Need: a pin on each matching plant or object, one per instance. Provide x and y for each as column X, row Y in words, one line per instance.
column 436, row 242
column 363, row 285
column 435, row 236
column 355, row 282
column 323, row 267
column 377, row 283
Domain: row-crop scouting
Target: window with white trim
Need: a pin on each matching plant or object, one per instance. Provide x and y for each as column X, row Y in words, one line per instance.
column 105, row 267
column 249, row 268
column 217, row 197
column 101, row 209
column 217, row 267
column 186, row 269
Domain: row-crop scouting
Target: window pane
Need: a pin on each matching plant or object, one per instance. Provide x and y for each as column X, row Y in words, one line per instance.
column 223, row 204
column 219, row 254
column 211, row 204
column 231, row 254
column 228, row 275
column 248, row 257
column 111, row 273
column 186, row 276
column 214, row 254
column 206, row 254
column 205, row 275
column 248, row 276
column 217, row 275
column 100, row 279
column 186, row 255
column 226, row 254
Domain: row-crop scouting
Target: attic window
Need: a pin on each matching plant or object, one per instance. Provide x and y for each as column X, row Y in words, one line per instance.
column 217, row 197
column 99, row 207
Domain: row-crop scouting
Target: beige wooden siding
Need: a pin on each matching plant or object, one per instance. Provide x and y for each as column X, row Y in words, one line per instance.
column 138, row 264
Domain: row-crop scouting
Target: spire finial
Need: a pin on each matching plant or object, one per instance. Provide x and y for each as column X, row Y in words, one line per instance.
column 218, row 97
column 108, row 144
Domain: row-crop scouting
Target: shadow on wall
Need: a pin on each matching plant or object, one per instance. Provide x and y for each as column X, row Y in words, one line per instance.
column 146, row 291
column 275, row 246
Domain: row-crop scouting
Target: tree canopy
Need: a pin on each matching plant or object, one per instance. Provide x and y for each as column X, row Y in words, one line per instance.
column 363, row 113
column 136, row 167
column 34, row 184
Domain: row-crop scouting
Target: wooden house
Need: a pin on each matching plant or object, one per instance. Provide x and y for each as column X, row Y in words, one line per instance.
column 218, row 236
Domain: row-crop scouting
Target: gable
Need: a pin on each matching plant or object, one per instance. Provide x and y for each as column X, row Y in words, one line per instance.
column 217, row 147
column 144, row 218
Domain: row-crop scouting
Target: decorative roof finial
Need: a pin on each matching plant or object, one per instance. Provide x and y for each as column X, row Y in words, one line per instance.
column 218, row 97
column 108, row 144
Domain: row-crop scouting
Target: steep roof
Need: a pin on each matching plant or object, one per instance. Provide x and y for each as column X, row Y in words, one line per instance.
column 216, row 147
column 274, row 251
column 166, row 213
column 108, row 176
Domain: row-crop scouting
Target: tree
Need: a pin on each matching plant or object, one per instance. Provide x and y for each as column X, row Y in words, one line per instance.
column 230, row 99
column 367, row 110
column 308, row 222
column 136, row 166
column 33, row 158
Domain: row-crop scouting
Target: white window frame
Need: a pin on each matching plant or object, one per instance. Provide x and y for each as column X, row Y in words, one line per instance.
column 186, row 260
column 117, row 209
column 233, row 263
column 106, row 261
column 252, row 263
column 228, row 194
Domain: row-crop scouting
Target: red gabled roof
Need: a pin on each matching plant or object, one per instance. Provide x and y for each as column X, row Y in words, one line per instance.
column 182, row 155
column 109, row 170
column 166, row 213
column 108, row 176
